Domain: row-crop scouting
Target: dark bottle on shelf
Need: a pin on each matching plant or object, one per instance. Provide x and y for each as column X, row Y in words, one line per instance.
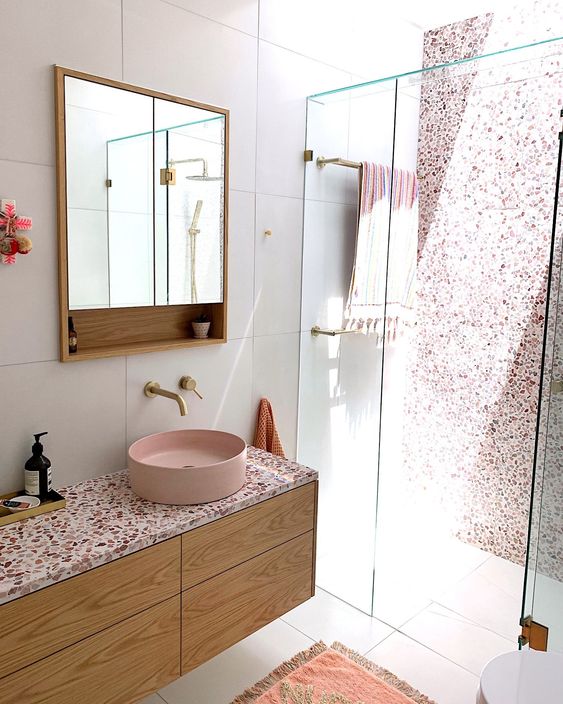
column 72, row 336
column 38, row 471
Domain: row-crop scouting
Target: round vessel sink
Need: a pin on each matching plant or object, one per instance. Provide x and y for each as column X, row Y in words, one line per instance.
column 187, row 466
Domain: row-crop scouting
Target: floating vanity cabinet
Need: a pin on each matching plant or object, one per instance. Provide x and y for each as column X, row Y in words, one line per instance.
column 225, row 609
column 109, row 635
column 117, row 633
column 246, row 570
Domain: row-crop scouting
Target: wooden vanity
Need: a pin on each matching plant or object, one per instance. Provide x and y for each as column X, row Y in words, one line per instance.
column 116, row 633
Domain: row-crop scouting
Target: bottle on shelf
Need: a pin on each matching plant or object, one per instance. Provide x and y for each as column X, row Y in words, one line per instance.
column 72, row 336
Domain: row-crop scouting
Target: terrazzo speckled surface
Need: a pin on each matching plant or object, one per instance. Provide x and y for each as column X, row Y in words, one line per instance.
column 488, row 154
column 105, row 520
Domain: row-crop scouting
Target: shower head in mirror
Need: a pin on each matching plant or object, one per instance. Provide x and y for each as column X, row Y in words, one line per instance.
column 204, row 176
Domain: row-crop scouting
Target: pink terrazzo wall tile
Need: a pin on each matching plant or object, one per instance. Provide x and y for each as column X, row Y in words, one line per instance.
column 487, row 158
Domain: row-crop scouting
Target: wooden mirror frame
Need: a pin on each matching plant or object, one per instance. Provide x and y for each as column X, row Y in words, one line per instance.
column 109, row 332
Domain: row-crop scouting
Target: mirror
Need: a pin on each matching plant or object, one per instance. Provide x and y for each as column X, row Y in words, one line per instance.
column 146, row 204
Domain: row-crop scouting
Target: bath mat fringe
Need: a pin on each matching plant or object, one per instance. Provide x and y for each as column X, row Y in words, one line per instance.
column 383, row 674
column 251, row 694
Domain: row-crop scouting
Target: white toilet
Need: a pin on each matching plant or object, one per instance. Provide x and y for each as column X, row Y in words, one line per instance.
column 522, row 677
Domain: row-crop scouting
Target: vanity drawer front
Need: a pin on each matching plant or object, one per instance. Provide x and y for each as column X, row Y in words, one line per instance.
column 223, row 610
column 48, row 620
column 229, row 541
column 120, row 665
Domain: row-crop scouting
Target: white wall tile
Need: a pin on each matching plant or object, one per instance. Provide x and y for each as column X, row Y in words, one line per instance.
column 37, row 34
column 285, row 80
column 239, row 14
column 28, row 288
column 275, row 377
column 328, row 254
column 169, row 49
column 240, row 299
column 355, row 36
column 328, row 126
column 224, row 378
column 277, row 292
column 81, row 405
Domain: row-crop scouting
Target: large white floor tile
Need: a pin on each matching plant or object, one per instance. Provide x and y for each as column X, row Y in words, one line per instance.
column 241, row 265
column 276, row 377
column 285, row 79
column 230, row 673
column 277, row 294
column 326, row 618
column 429, row 672
column 82, row 35
column 169, row 49
column 224, row 378
column 466, row 643
column 484, row 601
column 30, row 314
column 153, row 699
column 80, row 405
column 239, row 14
column 506, row 575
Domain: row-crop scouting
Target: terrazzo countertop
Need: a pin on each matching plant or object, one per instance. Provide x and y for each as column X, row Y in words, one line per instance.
column 104, row 520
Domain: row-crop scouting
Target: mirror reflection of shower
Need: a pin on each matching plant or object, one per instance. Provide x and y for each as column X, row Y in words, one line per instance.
column 204, row 176
column 194, row 221
column 192, row 233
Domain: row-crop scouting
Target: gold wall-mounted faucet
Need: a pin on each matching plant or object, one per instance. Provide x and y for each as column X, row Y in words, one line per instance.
column 152, row 389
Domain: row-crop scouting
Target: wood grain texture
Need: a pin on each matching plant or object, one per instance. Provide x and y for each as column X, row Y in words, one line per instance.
column 53, row 618
column 120, row 665
column 110, row 332
column 229, row 541
column 223, row 610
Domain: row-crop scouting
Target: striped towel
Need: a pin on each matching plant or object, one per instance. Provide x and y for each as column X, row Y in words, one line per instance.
column 381, row 293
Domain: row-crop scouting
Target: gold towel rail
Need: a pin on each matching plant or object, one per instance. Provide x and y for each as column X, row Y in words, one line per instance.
column 316, row 331
column 321, row 161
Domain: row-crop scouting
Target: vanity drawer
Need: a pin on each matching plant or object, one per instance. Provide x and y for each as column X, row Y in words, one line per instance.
column 223, row 610
column 117, row 666
column 229, row 541
column 48, row 620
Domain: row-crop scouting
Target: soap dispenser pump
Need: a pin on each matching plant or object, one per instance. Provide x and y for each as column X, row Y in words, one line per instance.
column 38, row 471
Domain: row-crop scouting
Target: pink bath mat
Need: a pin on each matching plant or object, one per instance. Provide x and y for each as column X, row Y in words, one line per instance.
column 335, row 675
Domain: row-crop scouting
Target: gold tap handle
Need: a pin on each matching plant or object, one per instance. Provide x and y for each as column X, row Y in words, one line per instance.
column 189, row 384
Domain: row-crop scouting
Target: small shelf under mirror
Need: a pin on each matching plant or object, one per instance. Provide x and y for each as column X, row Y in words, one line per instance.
column 120, row 331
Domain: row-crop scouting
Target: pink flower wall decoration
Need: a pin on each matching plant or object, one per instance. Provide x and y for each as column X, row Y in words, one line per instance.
column 11, row 225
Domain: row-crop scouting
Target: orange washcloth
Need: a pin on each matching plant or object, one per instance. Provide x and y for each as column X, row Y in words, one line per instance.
column 266, row 436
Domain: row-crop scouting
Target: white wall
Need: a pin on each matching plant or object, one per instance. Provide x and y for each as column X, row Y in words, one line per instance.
column 260, row 59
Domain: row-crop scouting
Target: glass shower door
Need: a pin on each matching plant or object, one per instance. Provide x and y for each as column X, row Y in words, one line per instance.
column 341, row 373
column 543, row 588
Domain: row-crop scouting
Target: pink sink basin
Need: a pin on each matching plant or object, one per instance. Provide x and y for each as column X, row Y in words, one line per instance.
column 187, row 466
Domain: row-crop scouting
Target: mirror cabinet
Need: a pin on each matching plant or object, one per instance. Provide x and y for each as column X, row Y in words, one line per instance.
column 142, row 217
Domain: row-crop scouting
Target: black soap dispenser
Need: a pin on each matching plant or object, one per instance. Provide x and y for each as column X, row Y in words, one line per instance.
column 38, row 471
